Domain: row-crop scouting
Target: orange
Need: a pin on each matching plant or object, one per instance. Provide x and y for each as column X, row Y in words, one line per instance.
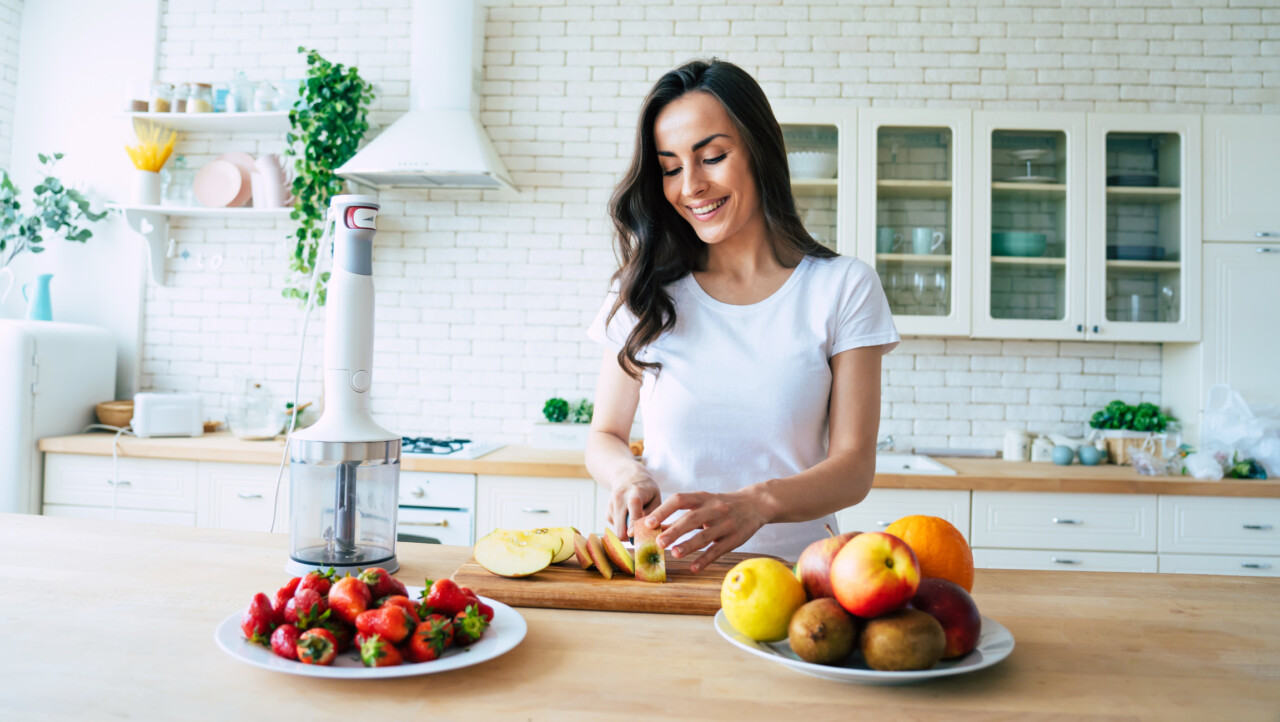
column 939, row 546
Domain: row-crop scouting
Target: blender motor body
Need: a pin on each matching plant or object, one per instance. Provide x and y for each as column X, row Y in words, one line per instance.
column 344, row 470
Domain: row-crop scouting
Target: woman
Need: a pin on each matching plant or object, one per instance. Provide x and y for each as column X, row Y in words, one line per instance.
column 752, row 350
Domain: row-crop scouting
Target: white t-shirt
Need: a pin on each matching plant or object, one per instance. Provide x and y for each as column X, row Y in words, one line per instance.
column 743, row 393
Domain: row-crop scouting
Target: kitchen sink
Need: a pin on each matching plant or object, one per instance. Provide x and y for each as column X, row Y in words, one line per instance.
column 911, row 464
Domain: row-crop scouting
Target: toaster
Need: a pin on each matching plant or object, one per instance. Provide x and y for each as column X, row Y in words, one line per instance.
column 167, row 414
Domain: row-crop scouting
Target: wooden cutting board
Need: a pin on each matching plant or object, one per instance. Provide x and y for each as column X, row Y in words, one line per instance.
column 568, row 586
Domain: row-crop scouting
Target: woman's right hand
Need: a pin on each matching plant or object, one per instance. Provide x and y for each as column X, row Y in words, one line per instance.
column 632, row 499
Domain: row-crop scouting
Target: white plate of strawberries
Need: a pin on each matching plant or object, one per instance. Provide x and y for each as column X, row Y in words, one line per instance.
column 369, row 626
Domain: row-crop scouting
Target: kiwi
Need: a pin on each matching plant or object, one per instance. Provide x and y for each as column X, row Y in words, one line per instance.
column 903, row 641
column 822, row 632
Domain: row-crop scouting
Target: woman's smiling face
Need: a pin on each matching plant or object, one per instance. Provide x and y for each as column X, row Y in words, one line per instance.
column 706, row 169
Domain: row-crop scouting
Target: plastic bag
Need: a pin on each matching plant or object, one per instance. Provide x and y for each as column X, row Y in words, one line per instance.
column 1233, row 426
column 1203, row 466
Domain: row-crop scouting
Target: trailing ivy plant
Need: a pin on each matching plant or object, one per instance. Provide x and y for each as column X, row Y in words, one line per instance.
column 57, row 208
column 327, row 123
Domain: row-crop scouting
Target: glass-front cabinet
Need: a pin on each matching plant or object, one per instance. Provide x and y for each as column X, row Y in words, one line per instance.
column 1029, row 242
column 821, row 158
column 913, row 214
column 1144, row 228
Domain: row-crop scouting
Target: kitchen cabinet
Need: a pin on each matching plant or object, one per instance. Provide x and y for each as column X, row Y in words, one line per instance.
column 519, row 502
column 1029, row 225
column 1219, row 564
column 882, row 507
column 1143, row 227
column 1241, row 178
column 436, row 507
column 915, row 201
column 76, row 480
column 1215, row 525
column 241, row 496
column 1098, row 522
column 1064, row 560
column 1241, row 295
column 818, row 141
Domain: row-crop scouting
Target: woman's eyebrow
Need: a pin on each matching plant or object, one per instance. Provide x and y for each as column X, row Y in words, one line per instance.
column 697, row 145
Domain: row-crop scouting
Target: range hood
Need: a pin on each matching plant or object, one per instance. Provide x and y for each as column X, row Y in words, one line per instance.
column 439, row 142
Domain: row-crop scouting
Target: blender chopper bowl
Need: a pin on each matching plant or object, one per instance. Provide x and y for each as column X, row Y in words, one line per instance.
column 344, row 470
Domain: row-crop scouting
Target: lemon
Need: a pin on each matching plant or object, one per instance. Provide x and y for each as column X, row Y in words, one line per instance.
column 759, row 596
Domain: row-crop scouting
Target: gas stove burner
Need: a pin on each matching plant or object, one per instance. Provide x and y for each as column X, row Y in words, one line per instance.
column 428, row 445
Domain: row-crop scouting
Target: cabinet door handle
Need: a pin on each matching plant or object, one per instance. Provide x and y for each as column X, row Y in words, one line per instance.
column 1056, row 520
column 1256, row 565
column 531, row 510
column 1258, row 527
column 248, row 495
column 1079, row 328
column 1095, row 329
column 1059, row 560
column 882, row 523
column 441, row 523
column 417, row 492
column 118, row 484
column 1267, row 234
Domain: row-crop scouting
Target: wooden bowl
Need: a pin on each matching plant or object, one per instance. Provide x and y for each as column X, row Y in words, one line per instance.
column 115, row 413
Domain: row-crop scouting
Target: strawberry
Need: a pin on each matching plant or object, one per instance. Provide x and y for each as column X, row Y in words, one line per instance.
column 486, row 611
column 284, row 641
column 307, row 609
column 468, row 626
column 398, row 588
column 445, row 598
column 342, row 633
column 283, row 595
column 317, row 580
column 379, row 581
column 378, row 652
column 317, row 646
column 392, row 623
column 258, row 620
column 348, row 597
column 430, row 639
column 403, row 602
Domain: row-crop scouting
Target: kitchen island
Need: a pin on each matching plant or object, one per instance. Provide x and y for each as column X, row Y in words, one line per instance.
column 108, row 620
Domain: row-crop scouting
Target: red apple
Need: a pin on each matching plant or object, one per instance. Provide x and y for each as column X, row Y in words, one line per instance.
column 954, row 609
column 814, row 567
column 874, row 574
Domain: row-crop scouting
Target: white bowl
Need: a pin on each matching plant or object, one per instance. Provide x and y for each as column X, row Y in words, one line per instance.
column 812, row 164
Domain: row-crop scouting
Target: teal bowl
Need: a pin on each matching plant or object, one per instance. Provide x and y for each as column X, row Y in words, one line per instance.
column 1018, row 243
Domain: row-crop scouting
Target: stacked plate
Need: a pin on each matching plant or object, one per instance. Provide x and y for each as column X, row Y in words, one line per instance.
column 224, row 183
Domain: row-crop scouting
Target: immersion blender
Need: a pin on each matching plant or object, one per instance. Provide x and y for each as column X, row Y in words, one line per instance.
column 344, row 470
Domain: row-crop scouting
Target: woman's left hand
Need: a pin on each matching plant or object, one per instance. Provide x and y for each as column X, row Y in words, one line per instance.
column 726, row 522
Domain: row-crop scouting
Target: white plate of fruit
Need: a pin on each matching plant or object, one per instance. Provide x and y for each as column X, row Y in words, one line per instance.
column 857, row 608
column 369, row 626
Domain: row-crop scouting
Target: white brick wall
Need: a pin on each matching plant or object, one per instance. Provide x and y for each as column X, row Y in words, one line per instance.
column 10, row 25
column 483, row 299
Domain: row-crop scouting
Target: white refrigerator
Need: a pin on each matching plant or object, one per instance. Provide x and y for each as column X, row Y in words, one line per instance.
column 51, row 376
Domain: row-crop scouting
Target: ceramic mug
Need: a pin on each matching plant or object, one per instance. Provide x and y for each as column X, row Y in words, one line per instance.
column 925, row 241
column 886, row 240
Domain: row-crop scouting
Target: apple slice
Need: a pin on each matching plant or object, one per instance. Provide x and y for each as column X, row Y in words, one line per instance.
column 583, row 551
column 598, row 555
column 565, row 533
column 651, row 561
column 512, row 554
column 618, row 554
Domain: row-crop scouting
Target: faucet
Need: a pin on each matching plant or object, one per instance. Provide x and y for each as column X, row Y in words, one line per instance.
column 886, row 445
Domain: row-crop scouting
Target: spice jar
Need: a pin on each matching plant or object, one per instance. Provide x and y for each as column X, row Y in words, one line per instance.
column 161, row 98
column 201, row 98
column 180, row 93
column 264, row 97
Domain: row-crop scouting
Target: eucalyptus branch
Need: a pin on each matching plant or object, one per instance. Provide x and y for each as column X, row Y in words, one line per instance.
column 58, row 209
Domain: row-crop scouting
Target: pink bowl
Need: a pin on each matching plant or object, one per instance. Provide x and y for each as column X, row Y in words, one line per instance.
column 218, row 184
column 244, row 162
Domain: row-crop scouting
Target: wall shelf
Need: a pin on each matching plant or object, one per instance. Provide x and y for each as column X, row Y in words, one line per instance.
column 814, row 186
column 1139, row 194
column 1144, row 265
column 924, row 258
column 152, row 223
column 1029, row 261
column 270, row 122
column 913, row 189
column 1028, row 191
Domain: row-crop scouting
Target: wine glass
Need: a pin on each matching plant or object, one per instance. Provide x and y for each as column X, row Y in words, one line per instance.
column 940, row 285
column 919, row 286
column 1168, row 302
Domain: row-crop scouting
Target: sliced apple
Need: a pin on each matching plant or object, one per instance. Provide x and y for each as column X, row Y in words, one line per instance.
column 618, row 554
column 566, row 534
column 651, row 561
column 513, row 554
column 599, row 556
column 582, row 550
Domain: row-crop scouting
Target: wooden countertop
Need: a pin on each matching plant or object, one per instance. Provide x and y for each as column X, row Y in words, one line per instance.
column 117, row 620
column 515, row 460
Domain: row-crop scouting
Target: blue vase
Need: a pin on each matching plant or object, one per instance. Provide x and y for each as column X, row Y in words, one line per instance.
column 39, row 307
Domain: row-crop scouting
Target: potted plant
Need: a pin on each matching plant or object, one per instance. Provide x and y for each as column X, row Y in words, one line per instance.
column 1125, row 427
column 567, row 425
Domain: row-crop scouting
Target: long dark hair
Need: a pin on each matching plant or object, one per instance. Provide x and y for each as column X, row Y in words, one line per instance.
column 656, row 245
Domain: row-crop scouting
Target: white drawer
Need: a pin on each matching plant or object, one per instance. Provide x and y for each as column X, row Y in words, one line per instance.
column 444, row 526
column 882, row 507
column 168, row 518
column 1215, row 564
column 242, row 497
column 520, row 502
column 428, row 488
column 1219, row 525
column 1032, row 520
column 155, row 484
column 1050, row 559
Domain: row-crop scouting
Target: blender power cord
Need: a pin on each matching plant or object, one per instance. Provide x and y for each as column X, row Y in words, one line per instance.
column 325, row 239
column 115, row 459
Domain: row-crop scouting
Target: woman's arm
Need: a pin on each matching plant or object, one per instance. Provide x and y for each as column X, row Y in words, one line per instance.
column 609, row 458
column 841, row 480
